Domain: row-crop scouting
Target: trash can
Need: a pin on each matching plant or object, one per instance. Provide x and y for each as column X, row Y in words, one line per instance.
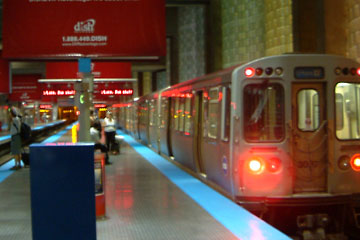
column 99, row 185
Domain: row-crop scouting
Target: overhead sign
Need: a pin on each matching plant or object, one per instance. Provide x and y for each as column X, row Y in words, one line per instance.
column 91, row 28
column 69, row 70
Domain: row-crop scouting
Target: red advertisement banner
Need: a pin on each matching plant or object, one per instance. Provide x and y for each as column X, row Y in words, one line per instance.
column 91, row 28
column 4, row 76
column 25, row 88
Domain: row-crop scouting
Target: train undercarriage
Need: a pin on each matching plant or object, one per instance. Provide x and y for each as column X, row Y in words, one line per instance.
column 310, row 218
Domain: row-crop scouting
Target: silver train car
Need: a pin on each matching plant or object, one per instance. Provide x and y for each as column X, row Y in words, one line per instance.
column 279, row 135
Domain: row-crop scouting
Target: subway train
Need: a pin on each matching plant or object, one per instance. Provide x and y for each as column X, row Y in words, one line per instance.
column 279, row 135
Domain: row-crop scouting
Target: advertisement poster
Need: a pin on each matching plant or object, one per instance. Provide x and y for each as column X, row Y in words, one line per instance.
column 83, row 28
column 4, row 76
column 25, row 88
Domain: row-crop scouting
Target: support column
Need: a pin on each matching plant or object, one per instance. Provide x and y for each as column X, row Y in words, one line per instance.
column 83, row 101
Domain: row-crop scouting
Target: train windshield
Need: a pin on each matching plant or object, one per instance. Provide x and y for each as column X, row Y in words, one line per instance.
column 347, row 102
column 264, row 112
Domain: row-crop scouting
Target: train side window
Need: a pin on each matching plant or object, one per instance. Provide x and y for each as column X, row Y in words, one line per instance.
column 205, row 105
column 143, row 113
column 152, row 113
column 264, row 118
column 164, row 112
column 225, row 113
column 347, row 110
column 181, row 113
column 339, row 100
column 308, row 110
column 214, row 99
column 188, row 117
column 176, row 113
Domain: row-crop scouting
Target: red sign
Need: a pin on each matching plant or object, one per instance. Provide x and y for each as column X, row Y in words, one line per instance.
column 45, row 106
column 66, row 70
column 25, row 88
column 91, row 28
column 58, row 92
column 111, row 69
column 116, row 92
column 61, row 70
column 4, row 76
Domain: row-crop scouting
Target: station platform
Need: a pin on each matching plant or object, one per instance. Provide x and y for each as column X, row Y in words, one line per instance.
column 147, row 197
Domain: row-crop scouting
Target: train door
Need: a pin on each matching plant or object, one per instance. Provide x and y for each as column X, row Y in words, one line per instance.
column 309, row 137
column 198, row 130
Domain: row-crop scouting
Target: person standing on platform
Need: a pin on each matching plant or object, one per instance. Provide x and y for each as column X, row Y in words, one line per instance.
column 110, row 131
column 96, row 138
column 15, row 145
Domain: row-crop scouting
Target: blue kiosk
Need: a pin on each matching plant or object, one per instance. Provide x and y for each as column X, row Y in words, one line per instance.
column 62, row 191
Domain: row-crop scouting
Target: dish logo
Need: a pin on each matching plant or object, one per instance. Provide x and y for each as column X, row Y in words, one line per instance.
column 87, row 26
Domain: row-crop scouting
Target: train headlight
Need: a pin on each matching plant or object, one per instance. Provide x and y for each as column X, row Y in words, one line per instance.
column 344, row 163
column 355, row 162
column 249, row 72
column 274, row 165
column 255, row 165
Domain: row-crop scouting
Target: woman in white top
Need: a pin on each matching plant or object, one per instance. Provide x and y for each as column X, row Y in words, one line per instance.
column 15, row 144
column 110, row 131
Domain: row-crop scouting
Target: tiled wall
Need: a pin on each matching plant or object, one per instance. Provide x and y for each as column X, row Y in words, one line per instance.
column 161, row 80
column 191, row 42
column 278, row 27
column 352, row 24
column 255, row 28
column 147, row 80
column 243, row 30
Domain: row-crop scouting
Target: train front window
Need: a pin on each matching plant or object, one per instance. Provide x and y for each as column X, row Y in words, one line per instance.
column 347, row 110
column 264, row 112
column 308, row 110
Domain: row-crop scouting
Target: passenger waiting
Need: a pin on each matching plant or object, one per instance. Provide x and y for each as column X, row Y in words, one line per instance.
column 96, row 138
column 15, row 144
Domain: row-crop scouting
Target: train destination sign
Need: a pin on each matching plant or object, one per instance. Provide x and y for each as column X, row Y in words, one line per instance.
column 309, row 73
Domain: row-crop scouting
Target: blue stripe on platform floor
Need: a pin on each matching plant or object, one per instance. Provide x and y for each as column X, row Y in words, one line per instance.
column 236, row 219
column 6, row 137
column 5, row 169
column 55, row 137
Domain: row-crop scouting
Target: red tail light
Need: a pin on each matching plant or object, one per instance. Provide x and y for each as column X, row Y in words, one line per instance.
column 355, row 162
column 255, row 165
column 274, row 164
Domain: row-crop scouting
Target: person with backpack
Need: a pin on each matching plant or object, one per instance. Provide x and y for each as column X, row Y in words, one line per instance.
column 15, row 144
column 95, row 137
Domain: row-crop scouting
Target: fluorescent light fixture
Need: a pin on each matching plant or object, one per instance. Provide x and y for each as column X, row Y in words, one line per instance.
column 79, row 80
